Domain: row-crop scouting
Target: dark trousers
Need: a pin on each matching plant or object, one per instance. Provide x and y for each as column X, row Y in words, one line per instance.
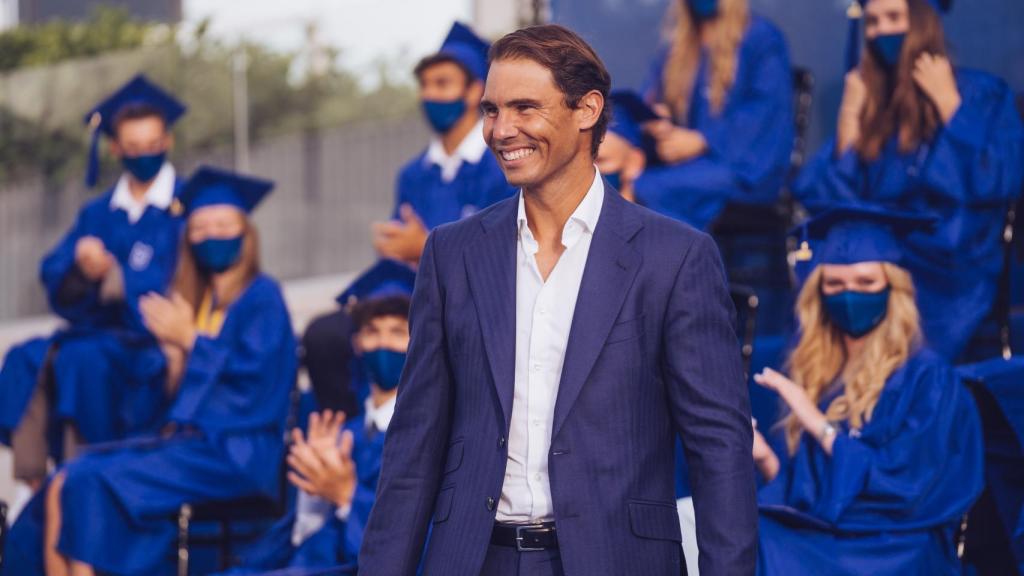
column 507, row 561
column 327, row 347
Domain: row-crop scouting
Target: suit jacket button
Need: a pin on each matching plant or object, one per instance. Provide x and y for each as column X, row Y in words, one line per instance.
column 490, row 503
column 501, row 442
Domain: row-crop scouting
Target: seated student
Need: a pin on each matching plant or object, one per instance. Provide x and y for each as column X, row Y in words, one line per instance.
column 621, row 158
column 916, row 134
column 337, row 471
column 454, row 177
column 123, row 245
column 723, row 83
column 231, row 355
column 883, row 450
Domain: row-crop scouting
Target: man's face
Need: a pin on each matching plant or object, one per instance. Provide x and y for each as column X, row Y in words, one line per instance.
column 444, row 82
column 527, row 124
column 390, row 332
column 141, row 137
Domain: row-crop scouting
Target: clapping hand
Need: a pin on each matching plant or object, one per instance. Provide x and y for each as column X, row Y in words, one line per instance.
column 92, row 258
column 403, row 240
column 171, row 320
column 321, row 464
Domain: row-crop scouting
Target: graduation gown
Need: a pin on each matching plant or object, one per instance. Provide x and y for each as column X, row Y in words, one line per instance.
column 749, row 142
column 107, row 363
column 892, row 494
column 966, row 176
column 118, row 499
column 336, row 542
column 475, row 187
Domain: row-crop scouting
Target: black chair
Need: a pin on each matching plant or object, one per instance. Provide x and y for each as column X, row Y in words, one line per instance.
column 226, row 513
column 3, row 531
column 744, row 299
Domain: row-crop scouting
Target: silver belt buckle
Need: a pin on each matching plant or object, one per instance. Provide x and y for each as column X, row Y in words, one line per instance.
column 519, row 538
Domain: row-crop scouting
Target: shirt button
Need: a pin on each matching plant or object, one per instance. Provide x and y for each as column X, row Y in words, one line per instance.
column 537, row 477
column 490, row 503
column 536, row 423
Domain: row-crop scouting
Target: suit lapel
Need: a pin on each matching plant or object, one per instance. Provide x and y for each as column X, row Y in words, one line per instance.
column 491, row 268
column 612, row 264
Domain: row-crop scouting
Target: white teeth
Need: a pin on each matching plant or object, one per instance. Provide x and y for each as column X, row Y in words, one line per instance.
column 511, row 155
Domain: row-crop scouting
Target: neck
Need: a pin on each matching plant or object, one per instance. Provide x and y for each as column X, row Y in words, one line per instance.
column 549, row 204
column 138, row 189
column 451, row 139
column 224, row 285
column 381, row 397
column 854, row 347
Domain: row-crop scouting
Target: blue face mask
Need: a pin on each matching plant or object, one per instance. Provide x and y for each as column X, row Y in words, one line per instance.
column 615, row 180
column 384, row 367
column 144, row 168
column 703, row 9
column 215, row 255
column 443, row 115
column 887, row 48
column 857, row 313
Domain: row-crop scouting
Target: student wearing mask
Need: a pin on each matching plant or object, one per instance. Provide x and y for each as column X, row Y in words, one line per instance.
column 123, row 245
column 881, row 452
column 230, row 355
column 454, row 177
column 337, row 463
column 915, row 133
column 724, row 86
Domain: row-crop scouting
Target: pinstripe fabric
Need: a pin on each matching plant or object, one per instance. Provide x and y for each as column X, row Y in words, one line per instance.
column 652, row 351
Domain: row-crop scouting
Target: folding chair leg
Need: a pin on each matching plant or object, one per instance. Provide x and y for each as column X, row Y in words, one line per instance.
column 184, row 517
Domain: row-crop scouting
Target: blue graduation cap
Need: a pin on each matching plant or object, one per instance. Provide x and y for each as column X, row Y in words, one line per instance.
column 209, row 186
column 385, row 278
column 854, row 234
column 629, row 112
column 466, row 48
column 138, row 91
column 855, row 13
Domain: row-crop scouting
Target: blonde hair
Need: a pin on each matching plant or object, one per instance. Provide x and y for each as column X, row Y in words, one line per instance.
column 192, row 283
column 680, row 71
column 820, row 356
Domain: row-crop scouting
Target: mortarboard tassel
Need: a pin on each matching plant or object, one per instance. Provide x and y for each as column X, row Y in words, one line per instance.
column 854, row 13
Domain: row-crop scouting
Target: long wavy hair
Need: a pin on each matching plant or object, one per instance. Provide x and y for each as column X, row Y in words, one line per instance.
column 895, row 105
column 192, row 282
column 820, row 356
column 680, row 71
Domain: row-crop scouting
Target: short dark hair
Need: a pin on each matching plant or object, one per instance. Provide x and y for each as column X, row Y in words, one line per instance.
column 135, row 111
column 573, row 64
column 441, row 58
column 366, row 311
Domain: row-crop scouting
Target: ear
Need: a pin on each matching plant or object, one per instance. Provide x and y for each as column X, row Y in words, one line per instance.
column 115, row 149
column 474, row 94
column 355, row 344
column 169, row 140
column 588, row 112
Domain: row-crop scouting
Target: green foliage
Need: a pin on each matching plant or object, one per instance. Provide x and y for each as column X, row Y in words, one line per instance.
column 198, row 69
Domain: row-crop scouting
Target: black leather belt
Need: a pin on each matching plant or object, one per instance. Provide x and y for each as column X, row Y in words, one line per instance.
column 525, row 537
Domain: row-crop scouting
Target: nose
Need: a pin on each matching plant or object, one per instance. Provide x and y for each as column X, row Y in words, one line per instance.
column 503, row 126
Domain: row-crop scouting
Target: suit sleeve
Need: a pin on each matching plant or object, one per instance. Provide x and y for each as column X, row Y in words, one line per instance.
column 415, row 446
column 711, row 410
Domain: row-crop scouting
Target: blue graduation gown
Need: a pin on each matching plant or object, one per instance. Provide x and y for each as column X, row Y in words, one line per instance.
column 475, row 187
column 966, row 176
column 337, row 542
column 889, row 498
column 107, row 365
column 749, row 143
column 232, row 403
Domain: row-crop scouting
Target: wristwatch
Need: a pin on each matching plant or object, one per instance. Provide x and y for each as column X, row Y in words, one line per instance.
column 827, row 431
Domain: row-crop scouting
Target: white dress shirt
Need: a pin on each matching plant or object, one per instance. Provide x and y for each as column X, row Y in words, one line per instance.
column 471, row 150
column 544, row 311
column 311, row 511
column 160, row 194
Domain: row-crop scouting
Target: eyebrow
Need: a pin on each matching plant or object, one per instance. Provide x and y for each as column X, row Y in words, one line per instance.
column 514, row 103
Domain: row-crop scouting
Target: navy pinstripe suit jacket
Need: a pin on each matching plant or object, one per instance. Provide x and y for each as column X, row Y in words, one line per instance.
column 652, row 351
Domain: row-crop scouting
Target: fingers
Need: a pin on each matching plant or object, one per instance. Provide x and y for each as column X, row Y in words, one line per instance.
column 297, row 436
column 345, row 447
column 304, row 460
column 301, row 483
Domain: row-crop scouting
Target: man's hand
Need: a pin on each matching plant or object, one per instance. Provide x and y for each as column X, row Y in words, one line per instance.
column 172, row 321
column 92, row 258
column 403, row 240
column 674, row 144
column 934, row 76
column 321, row 465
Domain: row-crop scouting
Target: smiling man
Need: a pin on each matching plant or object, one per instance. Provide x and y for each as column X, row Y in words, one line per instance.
column 560, row 340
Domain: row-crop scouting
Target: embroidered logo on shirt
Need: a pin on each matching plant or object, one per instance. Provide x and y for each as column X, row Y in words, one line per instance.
column 140, row 256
